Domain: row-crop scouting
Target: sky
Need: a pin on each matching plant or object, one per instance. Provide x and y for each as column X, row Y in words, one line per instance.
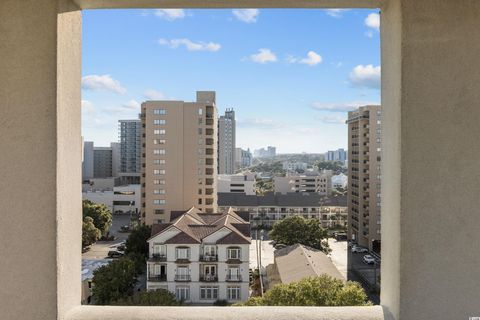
column 291, row 75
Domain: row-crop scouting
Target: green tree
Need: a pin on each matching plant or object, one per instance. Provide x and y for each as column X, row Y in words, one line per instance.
column 329, row 165
column 137, row 241
column 90, row 233
column 314, row 291
column 296, row 229
column 160, row 297
column 114, row 281
column 101, row 215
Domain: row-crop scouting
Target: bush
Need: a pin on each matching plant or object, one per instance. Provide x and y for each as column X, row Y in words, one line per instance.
column 160, row 297
column 220, row 303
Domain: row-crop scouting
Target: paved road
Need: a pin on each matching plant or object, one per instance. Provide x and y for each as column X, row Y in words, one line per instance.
column 339, row 255
column 100, row 249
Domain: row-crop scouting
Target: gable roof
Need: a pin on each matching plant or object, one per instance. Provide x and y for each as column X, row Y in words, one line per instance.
column 195, row 226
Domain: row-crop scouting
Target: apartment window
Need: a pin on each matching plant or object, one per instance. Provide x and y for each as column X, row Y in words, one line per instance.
column 200, row 161
column 233, row 253
column 199, row 171
column 159, row 201
column 158, row 161
column 233, row 273
column 199, row 191
column 200, row 120
column 158, row 151
column 209, row 250
column 159, row 121
column 159, row 112
column 159, row 131
column 159, row 191
column 158, row 141
column 200, row 111
column 158, row 221
column 200, row 141
column 182, row 293
column 208, row 293
column 158, row 171
column 200, row 181
column 200, row 201
column 200, row 151
column 158, row 181
column 182, row 253
column 233, row 293
column 159, row 211
column 200, row 130
column 159, row 249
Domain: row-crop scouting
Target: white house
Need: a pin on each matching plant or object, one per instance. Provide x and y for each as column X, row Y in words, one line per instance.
column 201, row 257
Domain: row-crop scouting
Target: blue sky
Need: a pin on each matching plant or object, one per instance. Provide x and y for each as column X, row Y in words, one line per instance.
column 289, row 74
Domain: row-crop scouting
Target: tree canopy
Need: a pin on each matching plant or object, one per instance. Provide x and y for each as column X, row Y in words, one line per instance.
column 296, row 229
column 114, row 281
column 137, row 241
column 101, row 215
column 90, row 233
column 160, row 297
column 314, row 291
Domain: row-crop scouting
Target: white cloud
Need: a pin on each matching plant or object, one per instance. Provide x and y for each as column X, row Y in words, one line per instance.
column 263, row 56
column 312, row 59
column 331, row 119
column 132, row 104
column 373, row 21
column 87, row 106
column 366, row 76
column 246, row 15
column 190, row 45
column 339, row 107
column 170, row 14
column 336, row 13
column 102, row 82
column 152, row 94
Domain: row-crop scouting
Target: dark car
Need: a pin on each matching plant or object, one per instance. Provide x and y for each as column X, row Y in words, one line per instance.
column 121, row 247
column 115, row 254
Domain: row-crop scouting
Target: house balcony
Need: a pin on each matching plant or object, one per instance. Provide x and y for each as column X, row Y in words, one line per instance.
column 157, row 277
column 209, row 258
column 233, row 261
column 183, row 278
column 208, row 278
column 158, row 257
column 233, row 278
column 182, row 260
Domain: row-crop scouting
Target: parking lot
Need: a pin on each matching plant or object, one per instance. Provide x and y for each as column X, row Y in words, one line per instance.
column 368, row 275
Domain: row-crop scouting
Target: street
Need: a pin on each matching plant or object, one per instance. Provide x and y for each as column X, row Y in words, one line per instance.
column 339, row 255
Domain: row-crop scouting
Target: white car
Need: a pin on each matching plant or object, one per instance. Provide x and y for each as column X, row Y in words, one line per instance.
column 359, row 249
column 368, row 259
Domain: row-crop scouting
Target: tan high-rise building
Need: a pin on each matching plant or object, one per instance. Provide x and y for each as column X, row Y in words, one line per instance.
column 364, row 149
column 179, row 157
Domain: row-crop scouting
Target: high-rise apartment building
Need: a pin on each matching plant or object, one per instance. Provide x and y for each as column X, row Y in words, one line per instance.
column 226, row 143
column 308, row 182
column 100, row 162
column 243, row 158
column 364, row 156
column 336, row 155
column 270, row 152
column 179, row 157
column 130, row 132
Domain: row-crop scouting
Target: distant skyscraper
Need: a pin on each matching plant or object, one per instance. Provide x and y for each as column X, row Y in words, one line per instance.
column 364, row 147
column 226, row 143
column 270, row 152
column 130, row 146
column 87, row 163
column 179, row 157
column 100, row 162
column 336, row 155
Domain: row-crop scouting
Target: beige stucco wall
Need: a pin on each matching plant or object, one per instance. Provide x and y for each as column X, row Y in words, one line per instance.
column 430, row 91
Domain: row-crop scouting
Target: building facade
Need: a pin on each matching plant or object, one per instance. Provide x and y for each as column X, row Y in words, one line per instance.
column 267, row 209
column 339, row 155
column 226, row 143
column 243, row 158
column 179, row 157
column 130, row 132
column 314, row 182
column 364, row 185
column 201, row 257
column 87, row 160
column 270, row 152
column 238, row 183
column 121, row 199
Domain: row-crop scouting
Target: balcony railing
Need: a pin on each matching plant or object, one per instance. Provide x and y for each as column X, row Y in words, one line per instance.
column 158, row 257
column 182, row 260
column 233, row 260
column 183, row 277
column 157, row 277
column 209, row 258
column 209, row 278
column 233, row 278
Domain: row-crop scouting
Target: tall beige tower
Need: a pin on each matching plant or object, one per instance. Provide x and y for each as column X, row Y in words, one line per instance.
column 226, row 143
column 179, row 157
column 364, row 176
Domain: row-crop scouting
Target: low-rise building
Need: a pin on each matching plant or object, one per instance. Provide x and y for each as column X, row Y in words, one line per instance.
column 297, row 262
column 88, row 267
column 294, row 166
column 121, row 199
column 201, row 257
column 267, row 209
column 339, row 181
column 310, row 182
column 239, row 183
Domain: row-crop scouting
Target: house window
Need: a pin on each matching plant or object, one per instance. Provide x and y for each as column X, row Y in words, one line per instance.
column 159, row 112
column 159, row 131
column 182, row 253
column 233, row 273
column 159, row 121
column 233, row 293
column 233, row 253
column 209, row 250
column 182, row 293
column 159, row 249
column 208, row 293
column 159, row 211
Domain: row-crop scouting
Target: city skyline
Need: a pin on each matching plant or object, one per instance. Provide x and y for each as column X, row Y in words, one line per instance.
column 287, row 92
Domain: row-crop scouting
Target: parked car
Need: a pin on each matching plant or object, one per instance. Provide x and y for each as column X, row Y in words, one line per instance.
column 121, row 247
column 359, row 249
column 340, row 236
column 124, row 228
column 368, row 259
column 115, row 254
